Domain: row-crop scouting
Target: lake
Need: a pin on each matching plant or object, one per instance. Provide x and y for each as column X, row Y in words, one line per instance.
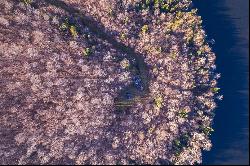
column 226, row 21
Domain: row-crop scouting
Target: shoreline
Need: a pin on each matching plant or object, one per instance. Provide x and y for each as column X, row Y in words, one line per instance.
column 231, row 49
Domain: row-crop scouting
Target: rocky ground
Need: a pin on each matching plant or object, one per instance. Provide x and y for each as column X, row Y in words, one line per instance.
column 104, row 82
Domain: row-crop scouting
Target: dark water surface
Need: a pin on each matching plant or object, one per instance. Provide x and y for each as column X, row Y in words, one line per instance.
column 227, row 21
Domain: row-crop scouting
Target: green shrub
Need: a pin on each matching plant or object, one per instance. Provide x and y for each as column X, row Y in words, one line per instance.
column 73, row 31
column 123, row 36
column 183, row 114
column 86, row 52
column 144, row 29
column 26, row 2
column 207, row 130
column 215, row 90
column 158, row 101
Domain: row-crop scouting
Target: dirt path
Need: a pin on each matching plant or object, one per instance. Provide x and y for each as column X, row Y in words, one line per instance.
column 140, row 68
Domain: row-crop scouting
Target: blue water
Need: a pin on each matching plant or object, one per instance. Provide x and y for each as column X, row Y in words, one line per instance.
column 226, row 21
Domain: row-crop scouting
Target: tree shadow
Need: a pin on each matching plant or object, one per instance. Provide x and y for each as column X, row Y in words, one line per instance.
column 140, row 68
